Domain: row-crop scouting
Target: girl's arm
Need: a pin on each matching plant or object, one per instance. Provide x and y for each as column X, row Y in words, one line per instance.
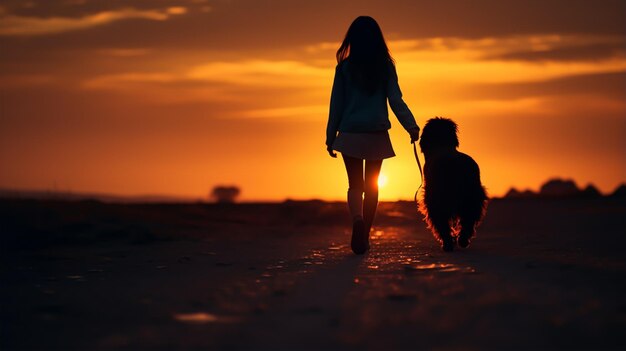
column 336, row 108
column 398, row 106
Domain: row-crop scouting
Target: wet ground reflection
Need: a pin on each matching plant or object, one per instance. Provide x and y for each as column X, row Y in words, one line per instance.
column 396, row 250
column 195, row 318
column 395, row 271
column 440, row 267
column 398, row 270
column 202, row 318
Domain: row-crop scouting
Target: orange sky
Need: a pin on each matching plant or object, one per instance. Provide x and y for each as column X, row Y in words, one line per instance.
column 175, row 96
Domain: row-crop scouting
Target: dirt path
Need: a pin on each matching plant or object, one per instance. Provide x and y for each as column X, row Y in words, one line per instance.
column 541, row 284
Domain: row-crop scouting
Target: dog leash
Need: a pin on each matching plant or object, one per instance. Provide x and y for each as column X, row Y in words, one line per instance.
column 419, row 165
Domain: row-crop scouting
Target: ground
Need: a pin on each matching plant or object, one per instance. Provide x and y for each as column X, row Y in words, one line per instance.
column 541, row 274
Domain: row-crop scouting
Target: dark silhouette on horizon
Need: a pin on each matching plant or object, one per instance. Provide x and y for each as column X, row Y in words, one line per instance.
column 358, row 122
column 454, row 201
column 558, row 187
column 620, row 192
column 225, row 194
column 564, row 188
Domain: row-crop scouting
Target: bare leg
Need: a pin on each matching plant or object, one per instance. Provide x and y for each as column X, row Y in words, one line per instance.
column 370, row 202
column 354, row 168
column 360, row 240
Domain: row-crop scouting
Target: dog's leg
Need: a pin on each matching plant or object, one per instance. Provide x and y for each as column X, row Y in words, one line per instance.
column 443, row 233
column 470, row 216
column 468, row 229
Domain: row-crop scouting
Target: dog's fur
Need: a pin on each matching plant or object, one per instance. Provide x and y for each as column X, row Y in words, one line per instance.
column 454, row 201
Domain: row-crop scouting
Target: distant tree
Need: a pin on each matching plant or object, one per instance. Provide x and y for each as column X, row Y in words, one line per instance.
column 512, row 193
column 590, row 191
column 516, row 194
column 225, row 194
column 559, row 187
column 620, row 192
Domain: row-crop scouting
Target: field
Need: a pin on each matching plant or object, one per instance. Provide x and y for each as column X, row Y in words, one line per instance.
column 86, row 275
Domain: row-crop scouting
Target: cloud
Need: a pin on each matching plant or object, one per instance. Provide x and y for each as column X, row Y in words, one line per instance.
column 547, row 47
column 610, row 85
column 263, row 88
column 244, row 23
column 436, row 73
column 262, row 73
column 442, row 65
column 124, row 52
column 25, row 80
column 307, row 111
column 15, row 25
column 108, row 81
column 567, row 51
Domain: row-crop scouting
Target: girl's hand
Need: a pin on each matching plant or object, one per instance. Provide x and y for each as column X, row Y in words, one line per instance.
column 331, row 152
column 415, row 134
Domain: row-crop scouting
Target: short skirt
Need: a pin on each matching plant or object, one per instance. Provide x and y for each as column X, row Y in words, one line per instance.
column 367, row 146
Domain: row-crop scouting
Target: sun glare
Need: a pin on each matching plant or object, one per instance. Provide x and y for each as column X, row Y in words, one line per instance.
column 382, row 180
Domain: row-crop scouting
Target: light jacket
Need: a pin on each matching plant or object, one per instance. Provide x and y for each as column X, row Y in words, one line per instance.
column 356, row 111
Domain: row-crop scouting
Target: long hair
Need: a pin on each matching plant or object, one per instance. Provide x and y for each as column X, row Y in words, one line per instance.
column 366, row 51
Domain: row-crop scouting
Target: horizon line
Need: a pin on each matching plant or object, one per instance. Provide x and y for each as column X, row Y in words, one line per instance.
column 50, row 194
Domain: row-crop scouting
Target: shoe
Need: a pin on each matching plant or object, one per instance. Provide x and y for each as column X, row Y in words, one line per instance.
column 360, row 240
column 448, row 245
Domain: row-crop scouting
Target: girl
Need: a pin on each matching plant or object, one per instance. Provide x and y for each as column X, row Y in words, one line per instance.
column 365, row 78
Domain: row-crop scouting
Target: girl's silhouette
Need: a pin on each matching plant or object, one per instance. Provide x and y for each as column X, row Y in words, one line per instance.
column 365, row 78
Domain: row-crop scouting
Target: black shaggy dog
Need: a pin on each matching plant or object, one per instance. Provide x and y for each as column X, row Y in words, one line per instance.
column 454, row 200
